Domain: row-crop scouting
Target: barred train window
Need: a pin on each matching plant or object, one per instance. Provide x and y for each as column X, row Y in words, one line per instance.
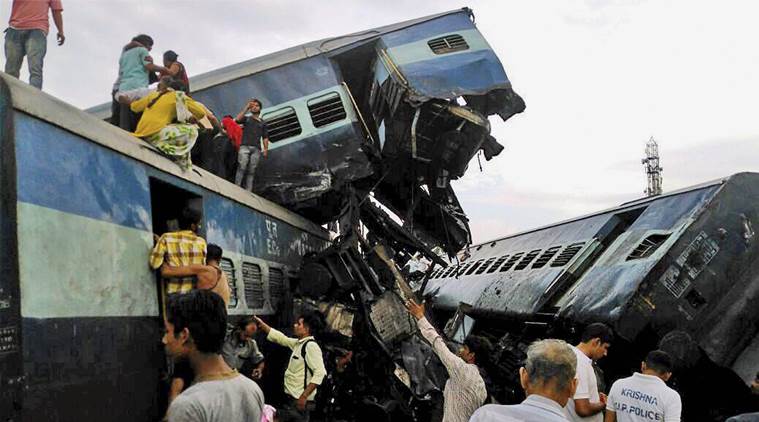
column 253, row 285
column 229, row 269
column 282, row 124
column 326, row 109
column 276, row 285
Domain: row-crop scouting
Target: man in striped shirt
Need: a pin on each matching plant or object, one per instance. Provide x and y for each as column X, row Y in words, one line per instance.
column 180, row 248
column 465, row 390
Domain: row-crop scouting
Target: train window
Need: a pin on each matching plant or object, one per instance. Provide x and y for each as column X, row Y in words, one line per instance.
column 253, row 285
column 526, row 260
column 448, row 44
column 514, row 258
column 484, row 266
column 282, row 124
column 474, row 267
column 567, row 254
column 276, row 286
column 546, row 257
column 647, row 246
column 228, row 267
column 498, row 263
column 326, row 109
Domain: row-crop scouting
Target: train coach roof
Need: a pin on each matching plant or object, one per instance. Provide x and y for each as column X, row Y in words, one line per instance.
column 45, row 107
column 289, row 55
column 626, row 205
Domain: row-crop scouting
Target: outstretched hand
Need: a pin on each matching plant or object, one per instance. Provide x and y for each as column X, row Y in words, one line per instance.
column 262, row 325
column 415, row 309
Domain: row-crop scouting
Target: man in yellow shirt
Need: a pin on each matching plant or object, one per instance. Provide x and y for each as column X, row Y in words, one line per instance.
column 306, row 371
column 180, row 248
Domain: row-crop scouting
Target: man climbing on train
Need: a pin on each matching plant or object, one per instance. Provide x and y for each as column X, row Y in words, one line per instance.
column 180, row 248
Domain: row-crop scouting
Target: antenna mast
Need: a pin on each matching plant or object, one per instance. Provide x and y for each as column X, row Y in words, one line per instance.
column 653, row 170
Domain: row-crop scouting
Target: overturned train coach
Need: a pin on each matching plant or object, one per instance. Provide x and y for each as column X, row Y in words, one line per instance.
column 398, row 111
column 678, row 271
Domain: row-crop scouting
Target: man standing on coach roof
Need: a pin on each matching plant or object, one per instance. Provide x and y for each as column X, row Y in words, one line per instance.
column 26, row 35
column 588, row 403
column 255, row 139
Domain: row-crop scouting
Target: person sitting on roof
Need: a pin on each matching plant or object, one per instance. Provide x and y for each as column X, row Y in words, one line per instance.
column 161, row 108
column 176, row 70
column 133, row 81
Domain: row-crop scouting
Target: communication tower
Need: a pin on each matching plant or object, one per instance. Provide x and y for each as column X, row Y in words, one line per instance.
column 653, row 170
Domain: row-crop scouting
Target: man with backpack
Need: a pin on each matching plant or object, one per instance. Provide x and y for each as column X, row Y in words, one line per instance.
column 305, row 370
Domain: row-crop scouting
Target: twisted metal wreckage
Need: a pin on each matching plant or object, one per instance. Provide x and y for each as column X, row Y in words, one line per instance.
column 386, row 116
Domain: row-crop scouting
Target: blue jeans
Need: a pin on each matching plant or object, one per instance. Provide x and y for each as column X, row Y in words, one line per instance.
column 31, row 43
column 247, row 161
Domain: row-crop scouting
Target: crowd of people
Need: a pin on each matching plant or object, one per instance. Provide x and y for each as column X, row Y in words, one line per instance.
column 169, row 119
column 215, row 366
column 165, row 116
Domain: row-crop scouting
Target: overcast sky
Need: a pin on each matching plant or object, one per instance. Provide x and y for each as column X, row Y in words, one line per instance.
column 599, row 78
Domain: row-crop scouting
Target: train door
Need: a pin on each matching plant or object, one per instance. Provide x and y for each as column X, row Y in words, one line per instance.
column 167, row 202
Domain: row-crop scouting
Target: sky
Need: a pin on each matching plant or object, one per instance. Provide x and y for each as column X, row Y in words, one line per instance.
column 599, row 78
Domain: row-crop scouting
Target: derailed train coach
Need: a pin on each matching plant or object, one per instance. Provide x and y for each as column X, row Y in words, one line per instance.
column 398, row 111
column 80, row 309
column 678, row 271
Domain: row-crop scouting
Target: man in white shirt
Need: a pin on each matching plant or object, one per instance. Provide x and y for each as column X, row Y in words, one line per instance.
column 548, row 380
column 588, row 403
column 645, row 396
column 465, row 389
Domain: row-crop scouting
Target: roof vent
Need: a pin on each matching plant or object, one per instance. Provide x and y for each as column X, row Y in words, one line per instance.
column 474, row 267
column 282, row 124
column 448, row 44
column 647, row 246
column 514, row 258
column 567, row 254
column 527, row 259
column 498, row 263
column 484, row 266
column 546, row 257
column 326, row 109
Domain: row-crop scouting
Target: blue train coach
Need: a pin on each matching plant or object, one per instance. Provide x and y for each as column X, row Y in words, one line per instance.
column 80, row 201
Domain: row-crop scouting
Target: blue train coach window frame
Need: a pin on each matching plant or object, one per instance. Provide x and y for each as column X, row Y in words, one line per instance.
column 282, row 123
column 228, row 267
column 326, row 109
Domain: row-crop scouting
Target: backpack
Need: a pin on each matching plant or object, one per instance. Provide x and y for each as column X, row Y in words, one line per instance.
column 305, row 363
